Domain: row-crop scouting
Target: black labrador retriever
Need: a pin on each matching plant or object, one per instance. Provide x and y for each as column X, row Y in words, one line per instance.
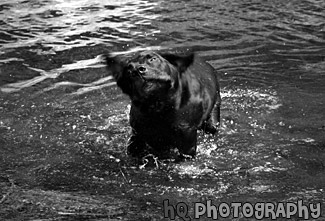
column 172, row 97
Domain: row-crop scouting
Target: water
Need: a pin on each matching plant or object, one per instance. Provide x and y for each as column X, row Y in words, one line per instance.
column 63, row 122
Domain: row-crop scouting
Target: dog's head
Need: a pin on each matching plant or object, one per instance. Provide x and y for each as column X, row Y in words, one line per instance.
column 149, row 75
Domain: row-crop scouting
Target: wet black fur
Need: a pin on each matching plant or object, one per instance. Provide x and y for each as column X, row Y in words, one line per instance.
column 172, row 97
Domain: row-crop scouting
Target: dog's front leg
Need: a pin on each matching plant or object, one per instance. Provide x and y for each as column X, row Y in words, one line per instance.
column 187, row 141
column 136, row 145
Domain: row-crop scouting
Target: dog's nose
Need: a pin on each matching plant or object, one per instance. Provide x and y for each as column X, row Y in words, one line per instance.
column 142, row 69
column 136, row 68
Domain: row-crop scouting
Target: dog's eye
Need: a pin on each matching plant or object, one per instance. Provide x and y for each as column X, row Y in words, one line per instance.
column 152, row 59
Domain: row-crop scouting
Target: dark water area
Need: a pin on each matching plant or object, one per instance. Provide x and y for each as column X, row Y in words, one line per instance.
column 64, row 123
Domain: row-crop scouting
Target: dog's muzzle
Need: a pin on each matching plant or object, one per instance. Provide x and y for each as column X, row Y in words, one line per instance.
column 136, row 70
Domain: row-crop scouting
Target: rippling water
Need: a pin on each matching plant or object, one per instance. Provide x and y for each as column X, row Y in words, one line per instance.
column 270, row 55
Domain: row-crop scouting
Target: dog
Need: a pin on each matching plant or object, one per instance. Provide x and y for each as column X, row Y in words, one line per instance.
column 172, row 96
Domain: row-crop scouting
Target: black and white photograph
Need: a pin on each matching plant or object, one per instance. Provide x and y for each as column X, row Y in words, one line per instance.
column 162, row 110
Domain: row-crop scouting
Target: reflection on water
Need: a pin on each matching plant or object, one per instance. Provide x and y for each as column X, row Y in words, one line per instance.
column 48, row 27
column 54, row 73
column 56, row 94
column 62, row 25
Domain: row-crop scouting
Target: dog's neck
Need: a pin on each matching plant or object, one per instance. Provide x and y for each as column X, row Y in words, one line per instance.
column 156, row 106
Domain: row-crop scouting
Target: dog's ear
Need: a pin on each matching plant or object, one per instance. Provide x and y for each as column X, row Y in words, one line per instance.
column 116, row 67
column 182, row 62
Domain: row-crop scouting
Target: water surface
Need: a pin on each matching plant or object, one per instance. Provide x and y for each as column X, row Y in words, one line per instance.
column 63, row 122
